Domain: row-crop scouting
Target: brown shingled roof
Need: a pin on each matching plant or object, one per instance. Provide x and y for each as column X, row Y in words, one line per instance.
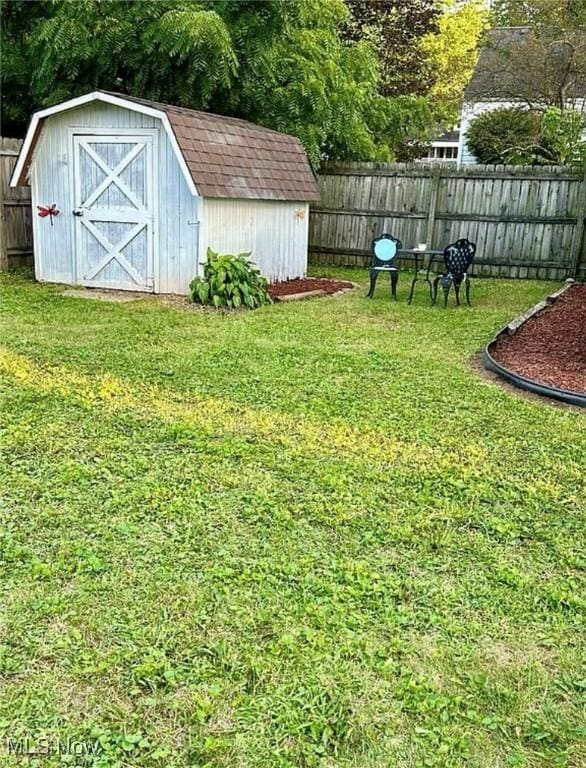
column 229, row 157
column 504, row 72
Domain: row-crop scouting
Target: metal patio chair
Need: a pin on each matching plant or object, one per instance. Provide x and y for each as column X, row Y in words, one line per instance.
column 385, row 250
column 457, row 260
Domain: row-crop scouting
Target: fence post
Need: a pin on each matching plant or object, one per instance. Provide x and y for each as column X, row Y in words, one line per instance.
column 3, row 243
column 578, row 239
column 435, row 183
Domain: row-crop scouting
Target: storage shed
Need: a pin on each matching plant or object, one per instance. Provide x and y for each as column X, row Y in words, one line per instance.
column 142, row 189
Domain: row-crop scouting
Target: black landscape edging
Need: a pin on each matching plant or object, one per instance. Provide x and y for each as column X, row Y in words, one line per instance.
column 530, row 385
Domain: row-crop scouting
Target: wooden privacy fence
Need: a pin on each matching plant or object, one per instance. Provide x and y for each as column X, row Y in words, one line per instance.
column 527, row 221
column 16, row 232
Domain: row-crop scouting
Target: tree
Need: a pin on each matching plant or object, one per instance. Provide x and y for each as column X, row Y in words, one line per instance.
column 562, row 136
column 546, row 69
column 395, row 29
column 297, row 76
column 548, row 65
column 16, row 19
column 427, row 50
column 452, row 52
column 540, row 14
column 280, row 64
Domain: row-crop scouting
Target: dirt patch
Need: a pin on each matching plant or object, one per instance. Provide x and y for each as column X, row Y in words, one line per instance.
column 102, row 294
column 174, row 300
column 306, row 284
column 314, row 286
column 550, row 347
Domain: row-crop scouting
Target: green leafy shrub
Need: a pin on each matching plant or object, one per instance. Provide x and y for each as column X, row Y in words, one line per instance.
column 229, row 281
column 562, row 136
column 509, row 135
column 517, row 136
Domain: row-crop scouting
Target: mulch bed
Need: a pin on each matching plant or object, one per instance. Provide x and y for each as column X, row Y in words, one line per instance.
column 303, row 284
column 550, row 347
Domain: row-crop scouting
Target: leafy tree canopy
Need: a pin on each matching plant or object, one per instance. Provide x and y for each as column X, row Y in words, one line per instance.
column 427, row 49
column 540, row 14
column 352, row 80
column 280, row 64
column 452, row 52
column 395, row 29
column 562, row 132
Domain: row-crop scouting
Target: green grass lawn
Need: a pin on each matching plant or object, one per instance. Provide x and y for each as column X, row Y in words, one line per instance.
column 309, row 535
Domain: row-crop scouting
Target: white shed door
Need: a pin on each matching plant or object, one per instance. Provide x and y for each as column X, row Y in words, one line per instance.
column 114, row 210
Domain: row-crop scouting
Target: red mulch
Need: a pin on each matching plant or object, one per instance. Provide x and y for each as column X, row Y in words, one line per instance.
column 303, row 284
column 551, row 346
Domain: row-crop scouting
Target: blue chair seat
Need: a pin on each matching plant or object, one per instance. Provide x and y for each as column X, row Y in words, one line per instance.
column 385, row 250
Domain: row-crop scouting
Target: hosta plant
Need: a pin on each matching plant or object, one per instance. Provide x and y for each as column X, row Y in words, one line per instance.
column 229, row 281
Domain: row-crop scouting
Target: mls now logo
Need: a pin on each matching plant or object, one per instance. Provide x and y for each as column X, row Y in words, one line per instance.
column 28, row 746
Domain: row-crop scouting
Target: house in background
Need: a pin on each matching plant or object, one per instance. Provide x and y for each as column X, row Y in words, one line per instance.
column 498, row 81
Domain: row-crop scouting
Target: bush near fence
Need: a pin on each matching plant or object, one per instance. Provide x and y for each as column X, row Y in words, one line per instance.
column 528, row 221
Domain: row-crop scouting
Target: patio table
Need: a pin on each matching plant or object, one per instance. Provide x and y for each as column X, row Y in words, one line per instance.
column 424, row 260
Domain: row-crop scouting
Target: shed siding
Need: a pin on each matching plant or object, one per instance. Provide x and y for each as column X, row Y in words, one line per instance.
column 275, row 232
column 177, row 209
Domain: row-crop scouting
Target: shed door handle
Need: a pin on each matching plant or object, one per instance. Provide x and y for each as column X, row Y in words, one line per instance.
column 78, row 211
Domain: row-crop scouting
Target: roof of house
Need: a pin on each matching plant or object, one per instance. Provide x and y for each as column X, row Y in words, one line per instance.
column 499, row 71
column 449, row 137
column 490, row 78
column 221, row 156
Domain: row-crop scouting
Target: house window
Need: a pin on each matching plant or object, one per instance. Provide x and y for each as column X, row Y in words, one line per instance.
column 441, row 152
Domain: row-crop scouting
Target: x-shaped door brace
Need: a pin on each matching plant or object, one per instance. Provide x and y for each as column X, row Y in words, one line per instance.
column 113, row 175
column 114, row 252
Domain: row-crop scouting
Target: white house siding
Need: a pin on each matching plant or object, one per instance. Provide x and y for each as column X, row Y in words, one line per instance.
column 471, row 110
column 275, row 232
column 177, row 209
